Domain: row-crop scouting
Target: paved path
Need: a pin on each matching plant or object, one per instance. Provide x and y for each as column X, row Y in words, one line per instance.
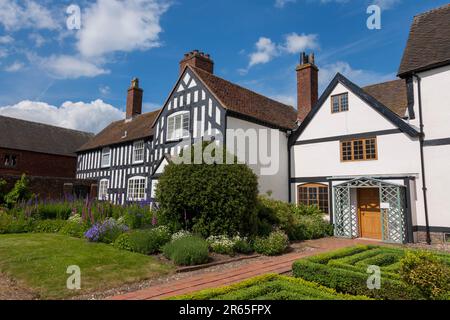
column 280, row 264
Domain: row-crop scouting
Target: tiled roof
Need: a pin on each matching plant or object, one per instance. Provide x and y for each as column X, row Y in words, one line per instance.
column 248, row 103
column 123, row 131
column 37, row 137
column 393, row 94
column 429, row 41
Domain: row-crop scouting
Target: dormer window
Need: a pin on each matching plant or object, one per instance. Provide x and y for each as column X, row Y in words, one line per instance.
column 106, row 157
column 178, row 126
column 339, row 103
column 138, row 152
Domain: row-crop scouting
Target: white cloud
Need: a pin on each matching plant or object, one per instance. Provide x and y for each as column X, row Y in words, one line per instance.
column 27, row 14
column 14, row 67
column 386, row 4
column 91, row 117
column 6, row 39
column 38, row 40
column 114, row 25
column 69, row 67
column 104, row 90
column 266, row 50
column 359, row 76
column 297, row 43
column 3, row 53
column 282, row 3
column 150, row 106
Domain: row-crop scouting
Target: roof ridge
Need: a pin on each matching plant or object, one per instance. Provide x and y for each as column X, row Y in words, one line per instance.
column 47, row 125
column 237, row 85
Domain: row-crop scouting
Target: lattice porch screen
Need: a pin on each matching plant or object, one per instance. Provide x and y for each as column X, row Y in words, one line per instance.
column 392, row 197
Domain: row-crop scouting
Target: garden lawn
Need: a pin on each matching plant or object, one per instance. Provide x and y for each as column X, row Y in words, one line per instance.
column 270, row 287
column 40, row 261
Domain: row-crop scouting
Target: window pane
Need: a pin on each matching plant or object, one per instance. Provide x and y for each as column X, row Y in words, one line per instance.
column 346, row 151
column 335, row 102
column 303, row 195
column 344, row 102
column 371, row 152
column 358, row 150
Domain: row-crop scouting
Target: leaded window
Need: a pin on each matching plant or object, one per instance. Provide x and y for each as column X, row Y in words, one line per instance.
column 313, row 194
column 359, row 149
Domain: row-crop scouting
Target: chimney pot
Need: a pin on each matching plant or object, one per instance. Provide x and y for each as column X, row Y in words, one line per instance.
column 307, row 85
column 199, row 60
column 134, row 99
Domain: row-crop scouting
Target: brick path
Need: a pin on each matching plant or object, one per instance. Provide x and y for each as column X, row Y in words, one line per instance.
column 279, row 264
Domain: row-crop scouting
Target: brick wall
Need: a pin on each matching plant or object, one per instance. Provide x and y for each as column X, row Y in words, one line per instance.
column 54, row 188
column 39, row 164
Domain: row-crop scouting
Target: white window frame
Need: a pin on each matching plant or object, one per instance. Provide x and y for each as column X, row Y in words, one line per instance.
column 141, row 142
column 178, row 133
column 131, row 189
column 106, row 151
column 102, row 190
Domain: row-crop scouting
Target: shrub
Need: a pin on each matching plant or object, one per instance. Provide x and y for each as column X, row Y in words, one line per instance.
column 138, row 216
column 2, row 190
column 147, row 241
column 187, row 251
column 54, row 210
column 11, row 224
column 423, row 270
column 180, row 234
column 106, row 232
column 48, row 226
column 276, row 243
column 221, row 244
column 20, row 192
column 74, row 229
column 207, row 198
column 242, row 245
column 312, row 227
column 123, row 242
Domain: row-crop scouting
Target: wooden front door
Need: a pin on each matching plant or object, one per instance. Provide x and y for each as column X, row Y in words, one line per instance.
column 369, row 213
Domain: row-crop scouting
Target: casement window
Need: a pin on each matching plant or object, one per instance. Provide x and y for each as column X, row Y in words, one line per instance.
column 138, row 152
column 359, row 149
column 178, row 126
column 106, row 157
column 103, row 189
column 313, row 194
column 10, row 160
column 339, row 103
column 136, row 188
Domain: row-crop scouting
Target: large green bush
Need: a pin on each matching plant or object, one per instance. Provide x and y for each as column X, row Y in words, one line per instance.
column 423, row 270
column 190, row 250
column 208, row 199
column 276, row 243
column 20, row 192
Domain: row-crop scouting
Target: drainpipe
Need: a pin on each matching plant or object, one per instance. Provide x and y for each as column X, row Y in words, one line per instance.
column 422, row 160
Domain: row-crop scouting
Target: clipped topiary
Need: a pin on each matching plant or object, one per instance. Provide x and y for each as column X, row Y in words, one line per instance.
column 204, row 190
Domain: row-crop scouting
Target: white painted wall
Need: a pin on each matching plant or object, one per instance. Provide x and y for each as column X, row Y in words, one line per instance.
column 360, row 118
column 276, row 182
column 398, row 154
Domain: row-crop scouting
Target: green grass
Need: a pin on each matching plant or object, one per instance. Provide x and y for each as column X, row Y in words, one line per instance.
column 40, row 261
column 346, row 271
column 270, row 287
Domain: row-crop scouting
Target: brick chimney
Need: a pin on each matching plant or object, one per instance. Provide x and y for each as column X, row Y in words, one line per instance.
column 134, row 99
column 197, row 59
column 307, row 85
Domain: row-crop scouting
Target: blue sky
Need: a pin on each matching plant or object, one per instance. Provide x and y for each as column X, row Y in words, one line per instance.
column 78, row 78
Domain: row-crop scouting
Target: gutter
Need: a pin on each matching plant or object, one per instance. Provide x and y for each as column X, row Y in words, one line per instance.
column 422, row 160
